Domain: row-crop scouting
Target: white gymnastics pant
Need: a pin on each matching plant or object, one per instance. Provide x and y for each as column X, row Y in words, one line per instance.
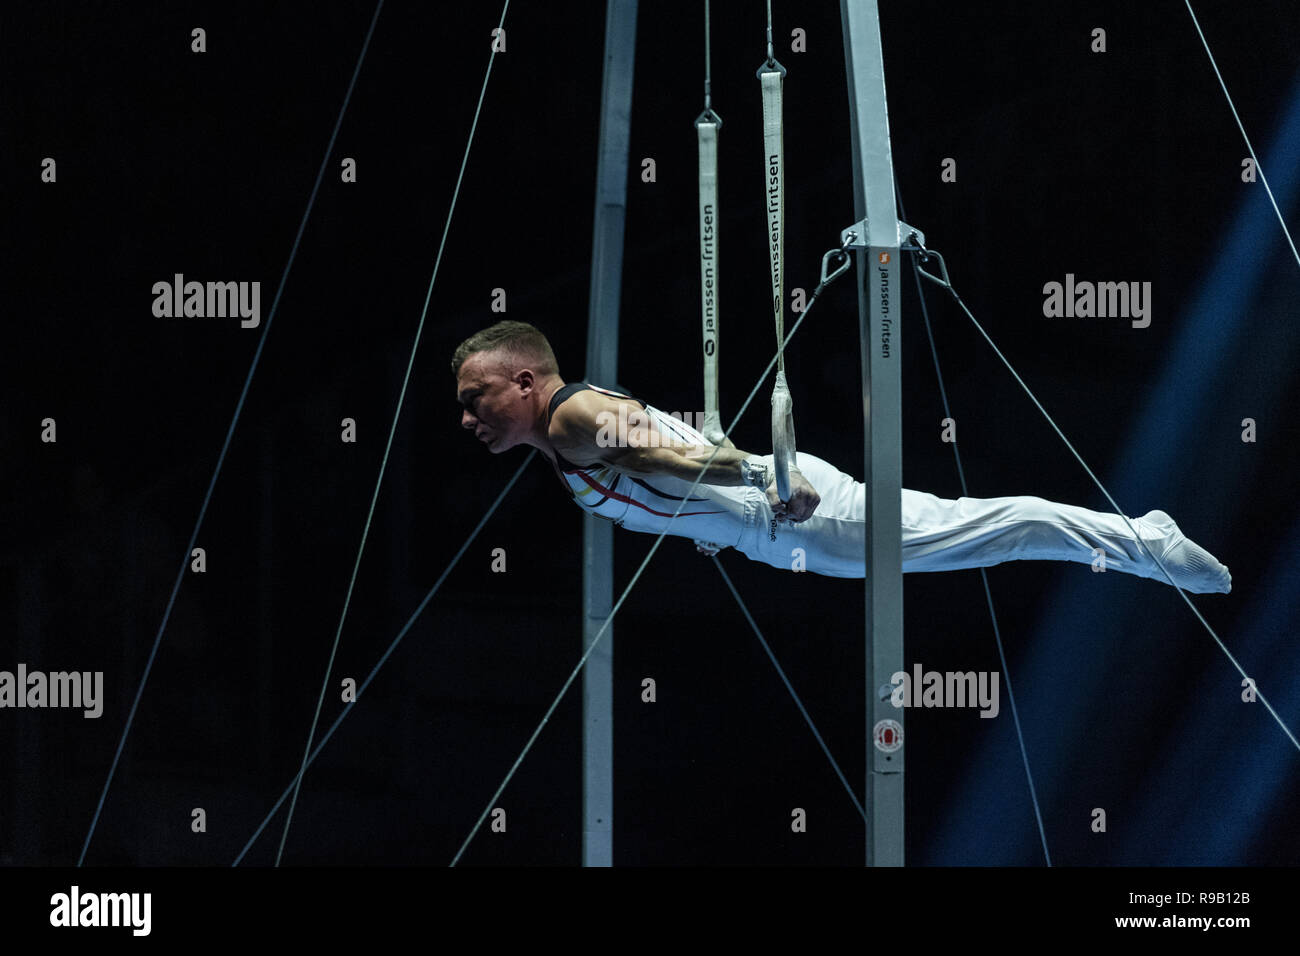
column 938, row 534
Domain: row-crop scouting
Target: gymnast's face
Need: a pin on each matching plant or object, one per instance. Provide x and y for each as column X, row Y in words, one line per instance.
column 494, row 406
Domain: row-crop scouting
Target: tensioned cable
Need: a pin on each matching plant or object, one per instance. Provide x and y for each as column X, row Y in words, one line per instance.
column 708, row 62
column 239, row 407
column 1249, row 148
column 945, row 283
column 984, row 576
column 646, row 560
column 401, row 398
column 790, row 687
column 384, row 657
column 770, row 57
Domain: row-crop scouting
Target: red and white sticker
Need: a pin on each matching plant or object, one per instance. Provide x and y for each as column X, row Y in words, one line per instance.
column 888, row 735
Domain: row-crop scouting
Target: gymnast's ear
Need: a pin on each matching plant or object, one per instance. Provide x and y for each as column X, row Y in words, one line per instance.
column 526, row 380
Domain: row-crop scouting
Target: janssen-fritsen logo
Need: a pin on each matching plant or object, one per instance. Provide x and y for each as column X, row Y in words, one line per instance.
column 886, row 320
column 924, row 688
column 708, row 279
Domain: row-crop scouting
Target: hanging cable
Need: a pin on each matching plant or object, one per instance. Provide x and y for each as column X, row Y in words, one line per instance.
column 770, row 58
column 771, row 75
column 707, row 126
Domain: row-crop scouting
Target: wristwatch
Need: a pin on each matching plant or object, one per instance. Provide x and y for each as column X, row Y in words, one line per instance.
column 754, row 471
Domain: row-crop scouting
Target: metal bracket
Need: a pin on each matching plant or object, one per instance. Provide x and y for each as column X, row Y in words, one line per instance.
column 708, row 118
column 910, row 239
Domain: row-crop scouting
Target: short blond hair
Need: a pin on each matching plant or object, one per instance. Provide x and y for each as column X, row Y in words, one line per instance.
column 521, row 346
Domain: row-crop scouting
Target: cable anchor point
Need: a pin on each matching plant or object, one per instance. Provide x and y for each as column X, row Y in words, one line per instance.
column 907, row 238
column 926, row 256
column 829, row 274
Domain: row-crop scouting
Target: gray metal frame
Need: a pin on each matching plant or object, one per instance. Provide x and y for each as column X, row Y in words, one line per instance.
column 879, row 311
column 602, row 367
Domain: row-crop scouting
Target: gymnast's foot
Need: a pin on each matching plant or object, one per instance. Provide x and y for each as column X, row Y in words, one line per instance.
column 1191, row 566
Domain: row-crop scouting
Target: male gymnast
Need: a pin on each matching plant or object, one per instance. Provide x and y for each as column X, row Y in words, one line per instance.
column 628, row 462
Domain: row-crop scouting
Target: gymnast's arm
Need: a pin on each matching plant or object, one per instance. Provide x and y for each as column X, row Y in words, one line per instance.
column 588, row 427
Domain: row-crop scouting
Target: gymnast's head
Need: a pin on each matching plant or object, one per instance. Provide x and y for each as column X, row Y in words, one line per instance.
column 504, row 376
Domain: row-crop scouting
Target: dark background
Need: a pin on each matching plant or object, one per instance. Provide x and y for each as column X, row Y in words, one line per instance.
column 1116, row 166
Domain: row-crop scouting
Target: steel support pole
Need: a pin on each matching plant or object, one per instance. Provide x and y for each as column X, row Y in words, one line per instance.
column 602, row 367
column 879, row 312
